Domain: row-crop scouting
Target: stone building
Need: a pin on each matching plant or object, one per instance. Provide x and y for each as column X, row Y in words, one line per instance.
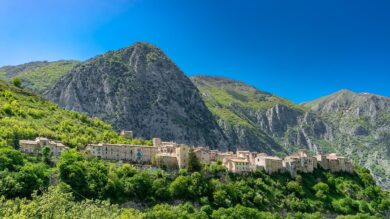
column 339, row 163
column 203, row 154
column 237, row 165
column 334, row 163
column 35, row 146
column 180, row 151
column 223, row 155
column 166, row 161
column 299, row 162
column 269, row 163
column 322, row 161
column 213, row 155
column 123, row 152
column 250, row 156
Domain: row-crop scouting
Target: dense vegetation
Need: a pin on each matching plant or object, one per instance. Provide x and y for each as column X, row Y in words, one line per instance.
column 78, row 186
column 24, row 115
column 37, row 76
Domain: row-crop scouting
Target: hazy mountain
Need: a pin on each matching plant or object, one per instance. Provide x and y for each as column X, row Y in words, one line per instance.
column 139, row 88
column 37, row 76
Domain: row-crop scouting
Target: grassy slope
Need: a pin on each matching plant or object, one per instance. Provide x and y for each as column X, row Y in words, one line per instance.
column 23, row 115
column 37, row 76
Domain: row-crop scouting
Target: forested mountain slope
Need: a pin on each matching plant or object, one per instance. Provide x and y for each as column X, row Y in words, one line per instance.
column 37, row 76
column 24, row 115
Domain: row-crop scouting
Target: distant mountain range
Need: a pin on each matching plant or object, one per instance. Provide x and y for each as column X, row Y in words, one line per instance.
column 139, row 88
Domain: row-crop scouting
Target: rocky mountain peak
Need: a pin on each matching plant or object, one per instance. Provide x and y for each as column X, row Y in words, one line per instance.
column 361, row 104
column 139, row 88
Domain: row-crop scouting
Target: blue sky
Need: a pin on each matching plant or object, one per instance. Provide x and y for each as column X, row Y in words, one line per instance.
column 297, row 49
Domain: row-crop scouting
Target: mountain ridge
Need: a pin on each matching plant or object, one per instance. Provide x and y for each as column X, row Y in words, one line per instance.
column 148, row 88
column 141, row 89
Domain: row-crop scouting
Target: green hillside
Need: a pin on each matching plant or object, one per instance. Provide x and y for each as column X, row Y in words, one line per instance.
column 78, row 186
column 37, row 76
column 91, row 188
column 23, row 115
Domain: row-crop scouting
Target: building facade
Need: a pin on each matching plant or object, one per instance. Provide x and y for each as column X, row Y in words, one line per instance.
column 268, row 163
column 237, row 165
column 203, row 154
column 299, row 162
column 123, row 152
column 36, row 146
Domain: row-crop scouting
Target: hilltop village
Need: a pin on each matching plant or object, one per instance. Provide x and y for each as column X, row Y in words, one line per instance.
column 171, row 155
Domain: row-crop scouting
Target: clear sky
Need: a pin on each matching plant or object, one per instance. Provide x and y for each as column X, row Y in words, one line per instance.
column 297, row 49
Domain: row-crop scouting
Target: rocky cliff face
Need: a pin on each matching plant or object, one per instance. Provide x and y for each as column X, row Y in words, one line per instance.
column 272, row 124
column 139, row 88
column 361, row 124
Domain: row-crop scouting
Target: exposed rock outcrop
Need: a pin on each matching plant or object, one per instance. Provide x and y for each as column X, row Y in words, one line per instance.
column 361, row 124
column 139, row 88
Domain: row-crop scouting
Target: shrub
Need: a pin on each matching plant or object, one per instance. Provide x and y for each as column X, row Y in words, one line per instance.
column 17, row 82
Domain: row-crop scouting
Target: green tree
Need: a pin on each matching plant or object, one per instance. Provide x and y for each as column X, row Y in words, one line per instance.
column 160, row 188
column 73, row 172
column 46, row 154
column 295, row 187
column 139, row 186
column 179, row 187
column 32, row 177
column 17, row 82
column 10, row 159
column 193, row 163
column 96, row 177
column 322, row 189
